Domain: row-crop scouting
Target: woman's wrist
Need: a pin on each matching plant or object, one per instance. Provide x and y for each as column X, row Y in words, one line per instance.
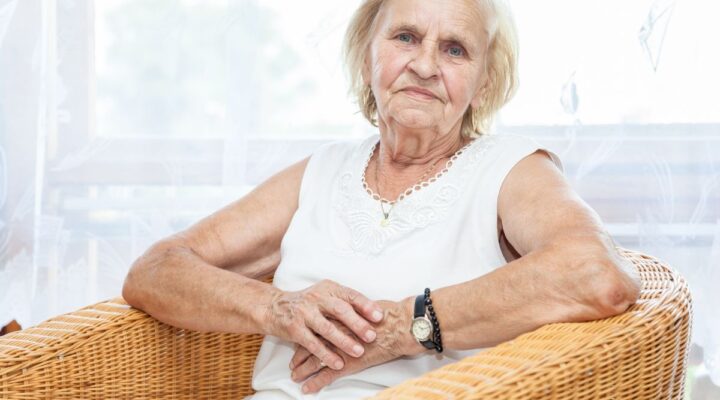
column 264, row 315
column 393, row 332
column 406, row 341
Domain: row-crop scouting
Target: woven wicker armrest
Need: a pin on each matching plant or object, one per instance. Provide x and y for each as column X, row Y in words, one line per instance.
column 640, row 354
column 112, row 351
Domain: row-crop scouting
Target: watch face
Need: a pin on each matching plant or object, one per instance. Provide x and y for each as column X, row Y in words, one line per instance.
column 421, row 329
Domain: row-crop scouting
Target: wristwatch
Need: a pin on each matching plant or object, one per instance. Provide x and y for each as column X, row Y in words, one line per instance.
column 422, row 327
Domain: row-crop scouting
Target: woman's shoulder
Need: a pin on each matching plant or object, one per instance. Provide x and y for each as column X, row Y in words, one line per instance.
column 513, row 147
column 330, row 159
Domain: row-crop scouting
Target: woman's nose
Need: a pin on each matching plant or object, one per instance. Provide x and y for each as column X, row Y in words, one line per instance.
column 425, row 62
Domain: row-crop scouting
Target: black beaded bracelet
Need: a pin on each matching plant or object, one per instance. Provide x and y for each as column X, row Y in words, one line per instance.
column 437, row 338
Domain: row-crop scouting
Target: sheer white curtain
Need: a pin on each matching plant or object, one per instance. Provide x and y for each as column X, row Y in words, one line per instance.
column 122, row 121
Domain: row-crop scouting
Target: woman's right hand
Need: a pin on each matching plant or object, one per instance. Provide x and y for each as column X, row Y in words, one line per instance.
column 297, row 316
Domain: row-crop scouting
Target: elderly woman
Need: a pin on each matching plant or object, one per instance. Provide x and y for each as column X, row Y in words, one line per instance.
column 401, row 252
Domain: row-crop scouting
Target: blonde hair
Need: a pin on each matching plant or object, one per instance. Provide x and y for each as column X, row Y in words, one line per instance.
column 501, row 63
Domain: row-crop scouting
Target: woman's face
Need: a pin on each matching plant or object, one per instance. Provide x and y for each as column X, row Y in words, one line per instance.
column 426, row 62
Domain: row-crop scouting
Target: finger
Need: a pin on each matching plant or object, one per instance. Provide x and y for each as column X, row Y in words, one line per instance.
column 313, row 344
column 310, row 362
column 366, row 307
column 307, row 368
column 332, row 334
column 321, row 379
column 301, row 354
column 345, row 313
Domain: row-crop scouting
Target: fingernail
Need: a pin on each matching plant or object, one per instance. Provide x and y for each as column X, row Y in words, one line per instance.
column 370, row 336
column 291, row 365
column 377, row 315
column 357, row 349
column 305, row 389
column 338, row 364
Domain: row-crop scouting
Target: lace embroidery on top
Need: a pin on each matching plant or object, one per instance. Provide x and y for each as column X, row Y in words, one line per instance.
column 416, row 186
column 362, row 214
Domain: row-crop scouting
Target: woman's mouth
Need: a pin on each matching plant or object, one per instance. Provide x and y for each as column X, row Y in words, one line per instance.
column 419, row 93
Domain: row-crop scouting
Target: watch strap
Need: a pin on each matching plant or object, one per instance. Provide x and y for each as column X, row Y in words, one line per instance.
column 419, row 306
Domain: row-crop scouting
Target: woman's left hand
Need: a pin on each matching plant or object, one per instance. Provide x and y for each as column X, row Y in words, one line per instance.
column 392, row 342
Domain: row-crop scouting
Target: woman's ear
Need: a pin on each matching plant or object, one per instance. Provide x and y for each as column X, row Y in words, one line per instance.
column 365, row 72
column 479, row 96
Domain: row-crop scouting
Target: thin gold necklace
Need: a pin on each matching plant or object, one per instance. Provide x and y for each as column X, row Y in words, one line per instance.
column 386, row 214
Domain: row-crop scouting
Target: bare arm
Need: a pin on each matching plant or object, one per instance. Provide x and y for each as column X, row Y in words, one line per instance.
column 185, row 279
column 569, row 270
column 204, row 278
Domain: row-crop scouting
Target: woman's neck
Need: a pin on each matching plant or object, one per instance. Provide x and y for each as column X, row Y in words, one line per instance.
column 404, row 157
column 402, row 147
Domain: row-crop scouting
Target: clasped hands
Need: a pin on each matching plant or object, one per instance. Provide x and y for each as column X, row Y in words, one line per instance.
column 330, row 323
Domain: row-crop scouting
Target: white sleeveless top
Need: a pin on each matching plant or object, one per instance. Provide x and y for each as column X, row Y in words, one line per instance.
column 442, row 234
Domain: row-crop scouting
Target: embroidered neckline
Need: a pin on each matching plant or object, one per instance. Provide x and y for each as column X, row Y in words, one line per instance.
column 419, row 185
column 360, row 212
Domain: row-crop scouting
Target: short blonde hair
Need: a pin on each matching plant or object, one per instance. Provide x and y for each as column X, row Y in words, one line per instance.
column 501, row 63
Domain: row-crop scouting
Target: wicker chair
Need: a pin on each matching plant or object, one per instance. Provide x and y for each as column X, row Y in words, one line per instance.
column 112, row 351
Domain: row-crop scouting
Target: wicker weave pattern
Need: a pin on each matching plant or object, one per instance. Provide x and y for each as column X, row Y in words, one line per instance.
column 111, row 351
column 640, row 354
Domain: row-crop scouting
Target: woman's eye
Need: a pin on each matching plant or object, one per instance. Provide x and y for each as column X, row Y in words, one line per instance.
column 404, row 37
column 456, row 51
